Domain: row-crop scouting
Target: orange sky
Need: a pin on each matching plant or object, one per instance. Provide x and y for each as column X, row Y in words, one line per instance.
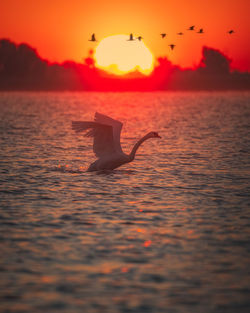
column 60, row 29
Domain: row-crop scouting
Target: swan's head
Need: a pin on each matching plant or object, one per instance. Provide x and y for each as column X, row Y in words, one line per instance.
column 153, row 135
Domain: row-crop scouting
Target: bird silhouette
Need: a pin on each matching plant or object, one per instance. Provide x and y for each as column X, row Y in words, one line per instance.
column 180, row 33
column 93, row 38
column 172, row 46
column 163, row 35
column 231, row 31
column 139, row 38
column 200, row 31
column 107, row 147
column 191, row 27
column 131, row 38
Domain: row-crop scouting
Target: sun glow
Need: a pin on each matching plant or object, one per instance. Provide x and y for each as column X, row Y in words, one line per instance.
column 118, row 55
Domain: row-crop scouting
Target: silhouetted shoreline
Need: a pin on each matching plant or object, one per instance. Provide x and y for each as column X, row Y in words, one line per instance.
column 21, row 68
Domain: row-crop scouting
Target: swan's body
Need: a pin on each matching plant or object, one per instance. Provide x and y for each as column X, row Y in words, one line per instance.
column 107, row 147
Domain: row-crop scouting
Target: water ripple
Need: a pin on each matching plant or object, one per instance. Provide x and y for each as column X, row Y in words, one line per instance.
column 166, row 233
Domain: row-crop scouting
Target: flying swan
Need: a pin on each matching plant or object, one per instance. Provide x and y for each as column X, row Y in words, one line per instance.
column 107, row 147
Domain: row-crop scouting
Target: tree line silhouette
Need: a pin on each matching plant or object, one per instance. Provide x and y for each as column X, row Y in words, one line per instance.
column 21, row 68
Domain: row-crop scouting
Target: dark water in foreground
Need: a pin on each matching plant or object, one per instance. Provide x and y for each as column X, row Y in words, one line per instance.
column 166, row 233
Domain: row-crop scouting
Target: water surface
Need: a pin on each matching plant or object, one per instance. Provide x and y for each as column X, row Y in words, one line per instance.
column 166, row 233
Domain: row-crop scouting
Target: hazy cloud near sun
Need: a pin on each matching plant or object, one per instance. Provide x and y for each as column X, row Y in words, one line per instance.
column 21, row 68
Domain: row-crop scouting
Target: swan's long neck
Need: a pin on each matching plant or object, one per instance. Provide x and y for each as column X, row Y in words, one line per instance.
column 136, row 146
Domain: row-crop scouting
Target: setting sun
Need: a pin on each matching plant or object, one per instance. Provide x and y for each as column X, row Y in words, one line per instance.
column 119, row 55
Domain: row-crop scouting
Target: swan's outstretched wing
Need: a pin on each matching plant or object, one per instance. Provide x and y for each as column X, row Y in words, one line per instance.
column 116, row 125
column 80, row 126
column 103, row 136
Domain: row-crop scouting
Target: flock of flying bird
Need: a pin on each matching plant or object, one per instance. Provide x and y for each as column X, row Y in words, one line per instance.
column 163, row 35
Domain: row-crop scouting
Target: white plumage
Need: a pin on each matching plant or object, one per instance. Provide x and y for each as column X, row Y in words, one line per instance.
column 106, row 146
